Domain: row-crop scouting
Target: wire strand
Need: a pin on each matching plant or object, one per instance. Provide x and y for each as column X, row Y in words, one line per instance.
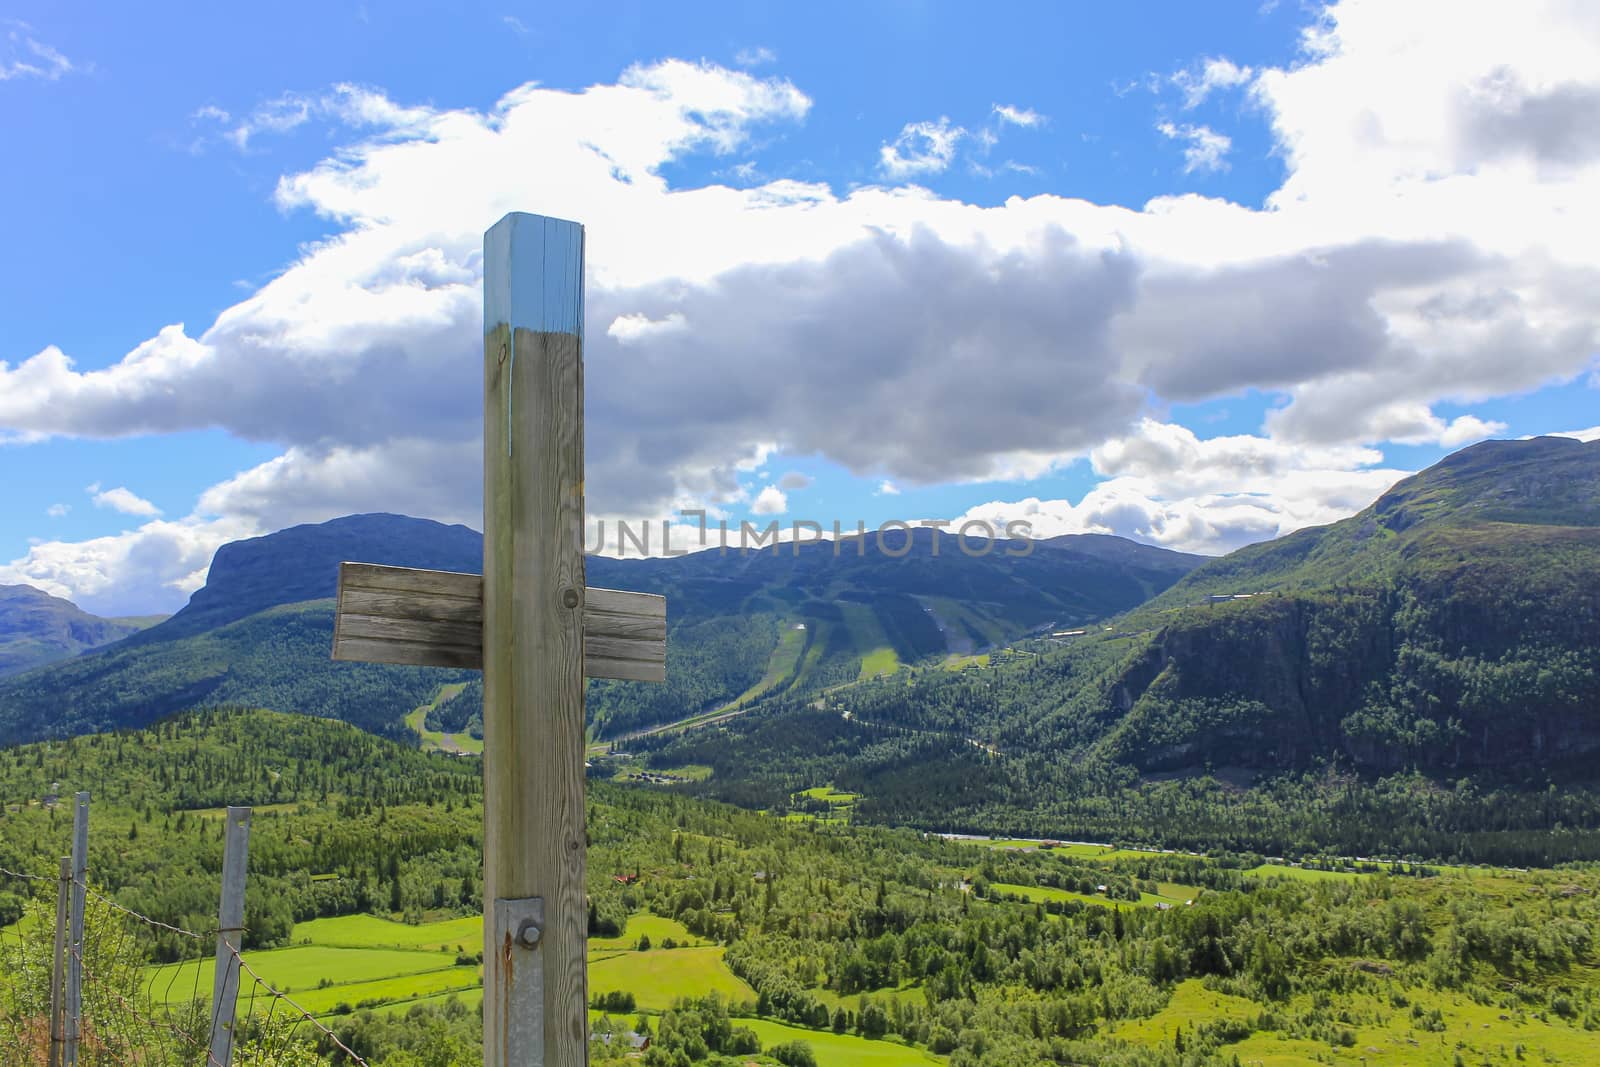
column 305, row 1015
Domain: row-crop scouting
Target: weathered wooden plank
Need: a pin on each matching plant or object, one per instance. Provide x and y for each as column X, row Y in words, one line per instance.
column 626, row 670
column 411, row 581
column 435, row 619
column 405, row 606
column 417, row 631
column 613, row 624
column 623, row 602
column 404, row 653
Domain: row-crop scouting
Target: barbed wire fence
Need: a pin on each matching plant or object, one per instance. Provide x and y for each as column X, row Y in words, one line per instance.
column 92, row 998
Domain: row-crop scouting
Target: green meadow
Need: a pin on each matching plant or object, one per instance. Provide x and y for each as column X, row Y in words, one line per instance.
column 842, row 1050
column 434, row 740
column 361, row 961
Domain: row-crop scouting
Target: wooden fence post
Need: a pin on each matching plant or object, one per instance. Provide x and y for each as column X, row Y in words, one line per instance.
column 58, row 970
column 535, row 1005
column 230, row 934
column 80, row 880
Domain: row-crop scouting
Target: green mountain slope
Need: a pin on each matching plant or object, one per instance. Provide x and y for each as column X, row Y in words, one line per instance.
column 1452, row 624
column 259, row 632
column 37, row 628
column 1452, row 629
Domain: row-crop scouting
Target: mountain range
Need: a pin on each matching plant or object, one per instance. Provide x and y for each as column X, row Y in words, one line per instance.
column 1450, row 628
column 743, row 625
column 1446, row 637
column 37, row 628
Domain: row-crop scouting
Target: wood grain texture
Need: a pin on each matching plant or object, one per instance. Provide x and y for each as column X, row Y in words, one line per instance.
column 533, row 671
column 425, row 618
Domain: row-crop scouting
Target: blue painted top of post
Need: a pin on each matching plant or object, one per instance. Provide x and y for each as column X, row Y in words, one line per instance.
column 533, row 274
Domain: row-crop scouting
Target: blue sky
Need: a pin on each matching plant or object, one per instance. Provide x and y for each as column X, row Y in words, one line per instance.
column 1195, row 274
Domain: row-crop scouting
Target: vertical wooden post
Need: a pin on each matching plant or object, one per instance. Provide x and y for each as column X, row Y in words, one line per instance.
column 535, row 1004
column 230, row 933
column 58, row 971
column 73, row 1009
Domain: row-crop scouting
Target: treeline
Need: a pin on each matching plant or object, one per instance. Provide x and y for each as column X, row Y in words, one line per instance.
column 924, row 771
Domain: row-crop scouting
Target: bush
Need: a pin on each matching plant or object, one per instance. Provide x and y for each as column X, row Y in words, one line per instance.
column 616, row 1001
column 794, row 1054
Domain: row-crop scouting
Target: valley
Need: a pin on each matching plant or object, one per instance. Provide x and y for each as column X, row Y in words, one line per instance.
column 1328, row 799
column 874, row 946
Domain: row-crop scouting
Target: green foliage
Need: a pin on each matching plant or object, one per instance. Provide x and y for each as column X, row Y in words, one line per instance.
column 871, row 945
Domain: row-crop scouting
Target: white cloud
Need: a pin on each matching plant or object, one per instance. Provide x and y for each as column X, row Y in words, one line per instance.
column 757, row 56
column 1429, row 246
column 770, row 501
column 153, row 568
column 1591, row 434
column 56, row 511
column 121, row 499
column 1209, row 75
column 1018, row 116
column 1204, row 149
column 1165, row 486
column 28, row 57
column 922, row 148
column 1465, row 429
column 887, row 488
column 630, row 329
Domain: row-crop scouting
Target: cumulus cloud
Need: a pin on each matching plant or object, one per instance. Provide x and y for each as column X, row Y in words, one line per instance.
column 1210, row 74
column 56, row 511
column 770, row 501
column 1164, row 485
column 923, row 148
column 154, row 567
column 1429, row 245
column 887, row 488
column 1204, row 149
column 121, row 499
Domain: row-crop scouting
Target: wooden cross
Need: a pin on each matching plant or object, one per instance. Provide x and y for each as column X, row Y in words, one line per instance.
column 535, row 630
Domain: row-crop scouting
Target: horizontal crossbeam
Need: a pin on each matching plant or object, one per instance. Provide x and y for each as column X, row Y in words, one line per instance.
column 427, row 618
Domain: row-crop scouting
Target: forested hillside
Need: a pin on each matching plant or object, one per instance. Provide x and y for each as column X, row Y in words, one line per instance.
column 815, row 932
column 1421, row 677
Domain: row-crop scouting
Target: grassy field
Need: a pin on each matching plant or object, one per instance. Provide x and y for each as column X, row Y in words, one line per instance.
column 657, row 928
column 658, row 977
column 781, row 666
column 365, row 961
column 369, row 931
column 842, row 1050
column 1171, row 894
column 839, row 804
column 1305, row 874
column 1378, row 1032
column 304, row 968
column 878, row 663
column 416, row 720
